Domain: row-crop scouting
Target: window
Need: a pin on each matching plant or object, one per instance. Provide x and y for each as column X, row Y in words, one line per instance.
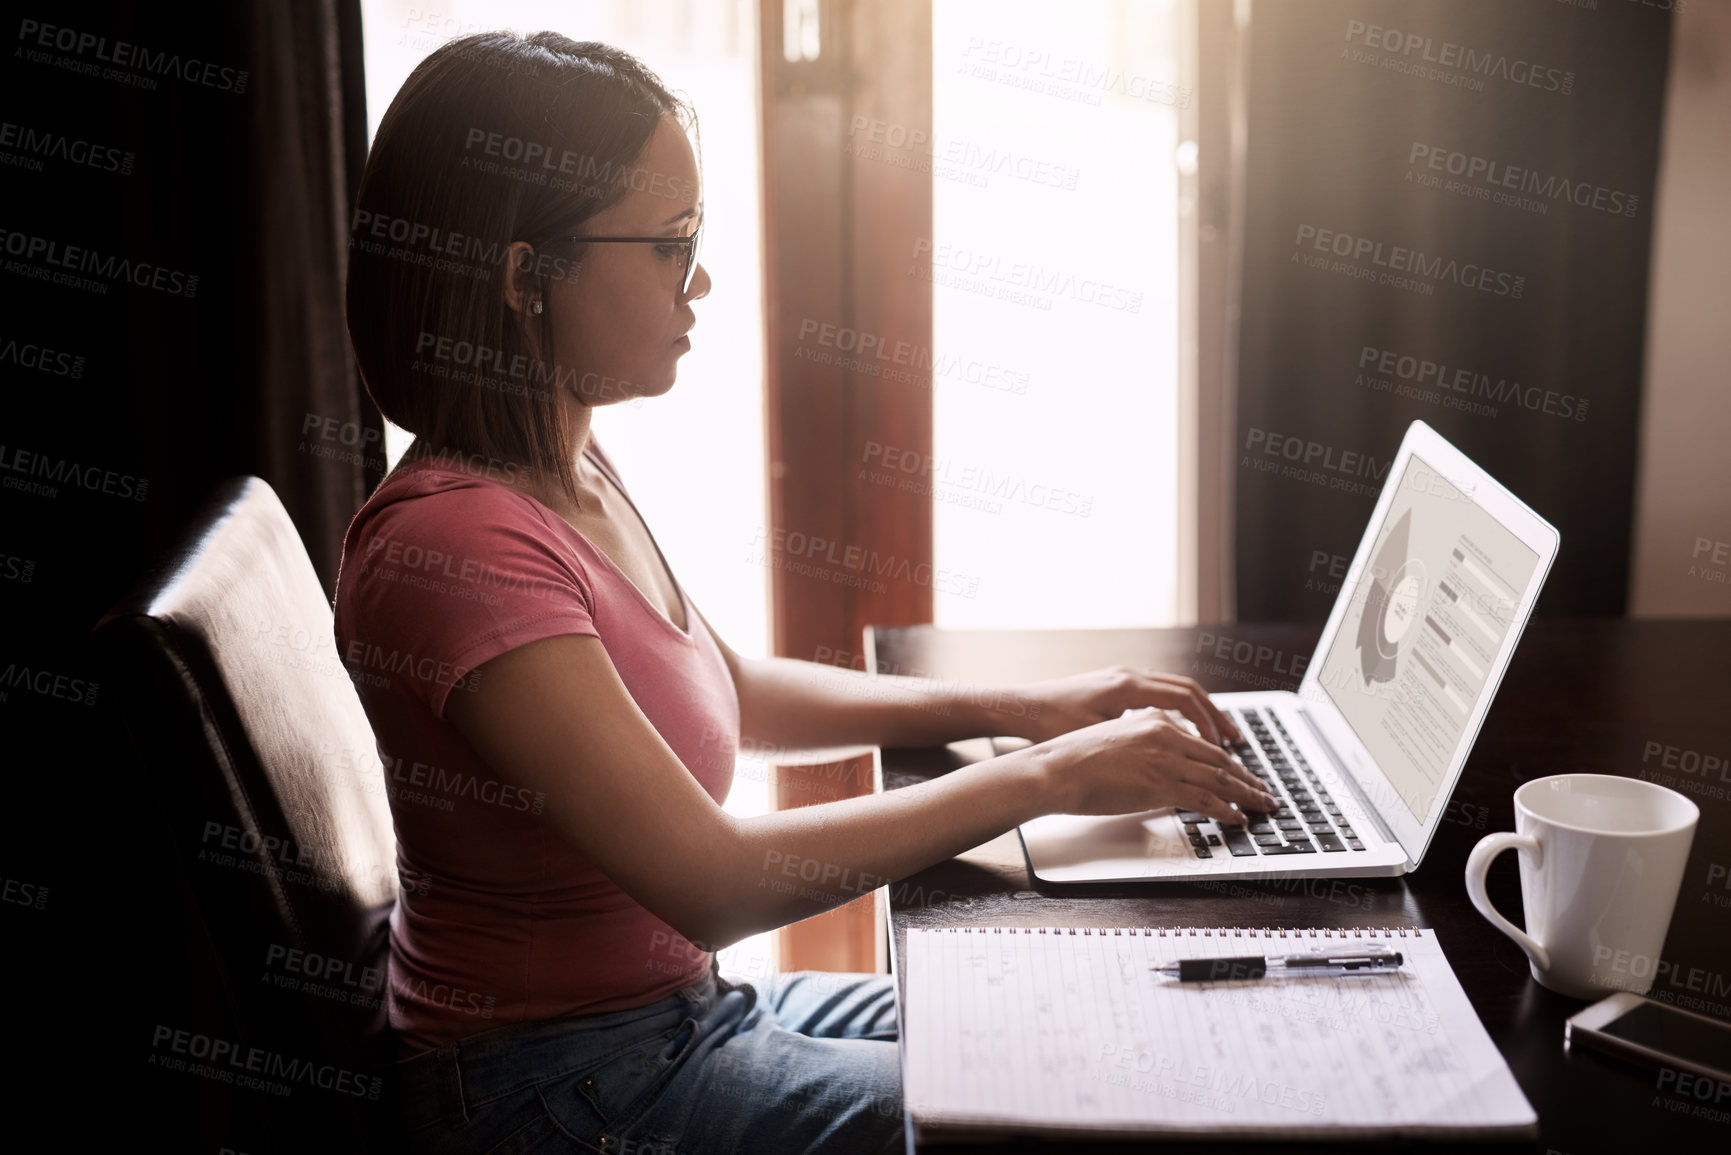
column 1055, row 312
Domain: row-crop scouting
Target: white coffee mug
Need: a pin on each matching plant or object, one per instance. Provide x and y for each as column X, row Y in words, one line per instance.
column 1601, row 860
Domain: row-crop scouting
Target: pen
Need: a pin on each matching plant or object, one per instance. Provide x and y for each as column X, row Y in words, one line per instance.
column 1372, row 960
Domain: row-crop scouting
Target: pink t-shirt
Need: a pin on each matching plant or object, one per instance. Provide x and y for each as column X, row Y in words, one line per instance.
column 499, row 919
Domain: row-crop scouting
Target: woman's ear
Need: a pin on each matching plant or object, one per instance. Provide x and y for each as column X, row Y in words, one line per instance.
column 522, row 286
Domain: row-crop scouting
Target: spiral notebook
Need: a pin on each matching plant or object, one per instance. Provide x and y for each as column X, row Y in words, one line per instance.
column 1062, row 1031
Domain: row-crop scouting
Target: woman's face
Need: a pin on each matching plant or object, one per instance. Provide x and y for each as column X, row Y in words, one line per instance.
column 620, row 320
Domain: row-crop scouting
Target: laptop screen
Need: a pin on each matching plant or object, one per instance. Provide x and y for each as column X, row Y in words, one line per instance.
column 1423, row 628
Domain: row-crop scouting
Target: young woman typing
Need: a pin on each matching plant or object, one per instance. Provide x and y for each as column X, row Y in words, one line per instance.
column 557, row 720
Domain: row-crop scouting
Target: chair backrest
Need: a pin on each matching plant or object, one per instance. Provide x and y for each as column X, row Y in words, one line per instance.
column 223, row 662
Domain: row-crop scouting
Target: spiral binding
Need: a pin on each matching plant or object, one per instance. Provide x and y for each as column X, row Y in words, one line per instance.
column 1201, row 932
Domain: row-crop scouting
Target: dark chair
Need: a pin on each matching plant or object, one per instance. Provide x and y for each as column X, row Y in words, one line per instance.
column 224, row 667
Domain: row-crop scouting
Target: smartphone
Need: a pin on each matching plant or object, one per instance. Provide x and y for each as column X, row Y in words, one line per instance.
column 1656, row 1035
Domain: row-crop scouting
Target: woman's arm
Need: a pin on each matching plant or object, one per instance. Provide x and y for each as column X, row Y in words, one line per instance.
column 554, row 716
column 805, row 705
column 789, row 704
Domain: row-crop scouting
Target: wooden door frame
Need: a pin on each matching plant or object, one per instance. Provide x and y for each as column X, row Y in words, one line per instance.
column 847, row 226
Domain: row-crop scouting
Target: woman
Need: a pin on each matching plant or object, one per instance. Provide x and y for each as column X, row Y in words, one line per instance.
column 557, row 721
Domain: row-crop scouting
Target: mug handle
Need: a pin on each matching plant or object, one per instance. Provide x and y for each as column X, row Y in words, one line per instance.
column 1478, row 863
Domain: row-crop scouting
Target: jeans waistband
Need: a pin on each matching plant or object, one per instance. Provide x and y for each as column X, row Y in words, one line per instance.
column 440, row 1085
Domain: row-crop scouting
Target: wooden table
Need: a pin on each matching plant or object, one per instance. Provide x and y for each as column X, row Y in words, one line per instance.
column 1610, row 696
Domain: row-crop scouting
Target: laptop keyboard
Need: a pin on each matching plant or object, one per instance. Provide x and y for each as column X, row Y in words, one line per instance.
column 1308, row 820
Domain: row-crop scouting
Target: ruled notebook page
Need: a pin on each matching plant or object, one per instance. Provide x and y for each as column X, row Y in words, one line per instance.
column 1062, row 1030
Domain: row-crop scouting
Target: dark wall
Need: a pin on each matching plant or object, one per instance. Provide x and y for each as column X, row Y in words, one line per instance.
column 1448, row 218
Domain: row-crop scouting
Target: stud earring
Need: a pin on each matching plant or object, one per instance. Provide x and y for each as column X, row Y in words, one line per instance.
column 535, row 306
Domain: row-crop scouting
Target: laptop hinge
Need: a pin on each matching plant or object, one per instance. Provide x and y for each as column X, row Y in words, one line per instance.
column 1351, row 779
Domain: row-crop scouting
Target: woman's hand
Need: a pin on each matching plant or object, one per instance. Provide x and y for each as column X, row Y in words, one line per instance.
column 1143, row 761
column 1064, row 704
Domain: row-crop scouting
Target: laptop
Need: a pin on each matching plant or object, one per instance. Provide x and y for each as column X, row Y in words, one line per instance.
column 1363, row 757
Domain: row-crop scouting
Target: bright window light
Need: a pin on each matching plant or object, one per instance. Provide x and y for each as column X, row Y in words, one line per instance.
column 1055, row 269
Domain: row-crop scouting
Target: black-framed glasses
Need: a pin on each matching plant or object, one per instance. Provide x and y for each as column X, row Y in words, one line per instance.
column 688, row 244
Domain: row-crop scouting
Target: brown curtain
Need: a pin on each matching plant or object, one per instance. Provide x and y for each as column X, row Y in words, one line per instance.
column 177, row 180
column 191, row 170
column 307, row 149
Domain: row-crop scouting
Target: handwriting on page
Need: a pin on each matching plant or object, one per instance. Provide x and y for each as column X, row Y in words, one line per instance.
column 1077, row 1027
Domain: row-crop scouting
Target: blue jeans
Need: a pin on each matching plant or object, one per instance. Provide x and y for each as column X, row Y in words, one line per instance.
column 798, row 1062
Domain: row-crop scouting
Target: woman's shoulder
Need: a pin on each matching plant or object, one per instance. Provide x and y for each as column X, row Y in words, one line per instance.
column 443, row 563
column 464, row 512
column 453, row 493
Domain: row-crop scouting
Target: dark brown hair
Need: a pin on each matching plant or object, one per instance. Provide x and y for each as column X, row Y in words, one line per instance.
column 494, row 138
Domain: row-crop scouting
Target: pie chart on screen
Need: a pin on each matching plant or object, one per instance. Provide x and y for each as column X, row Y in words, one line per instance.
column 1391, row 604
